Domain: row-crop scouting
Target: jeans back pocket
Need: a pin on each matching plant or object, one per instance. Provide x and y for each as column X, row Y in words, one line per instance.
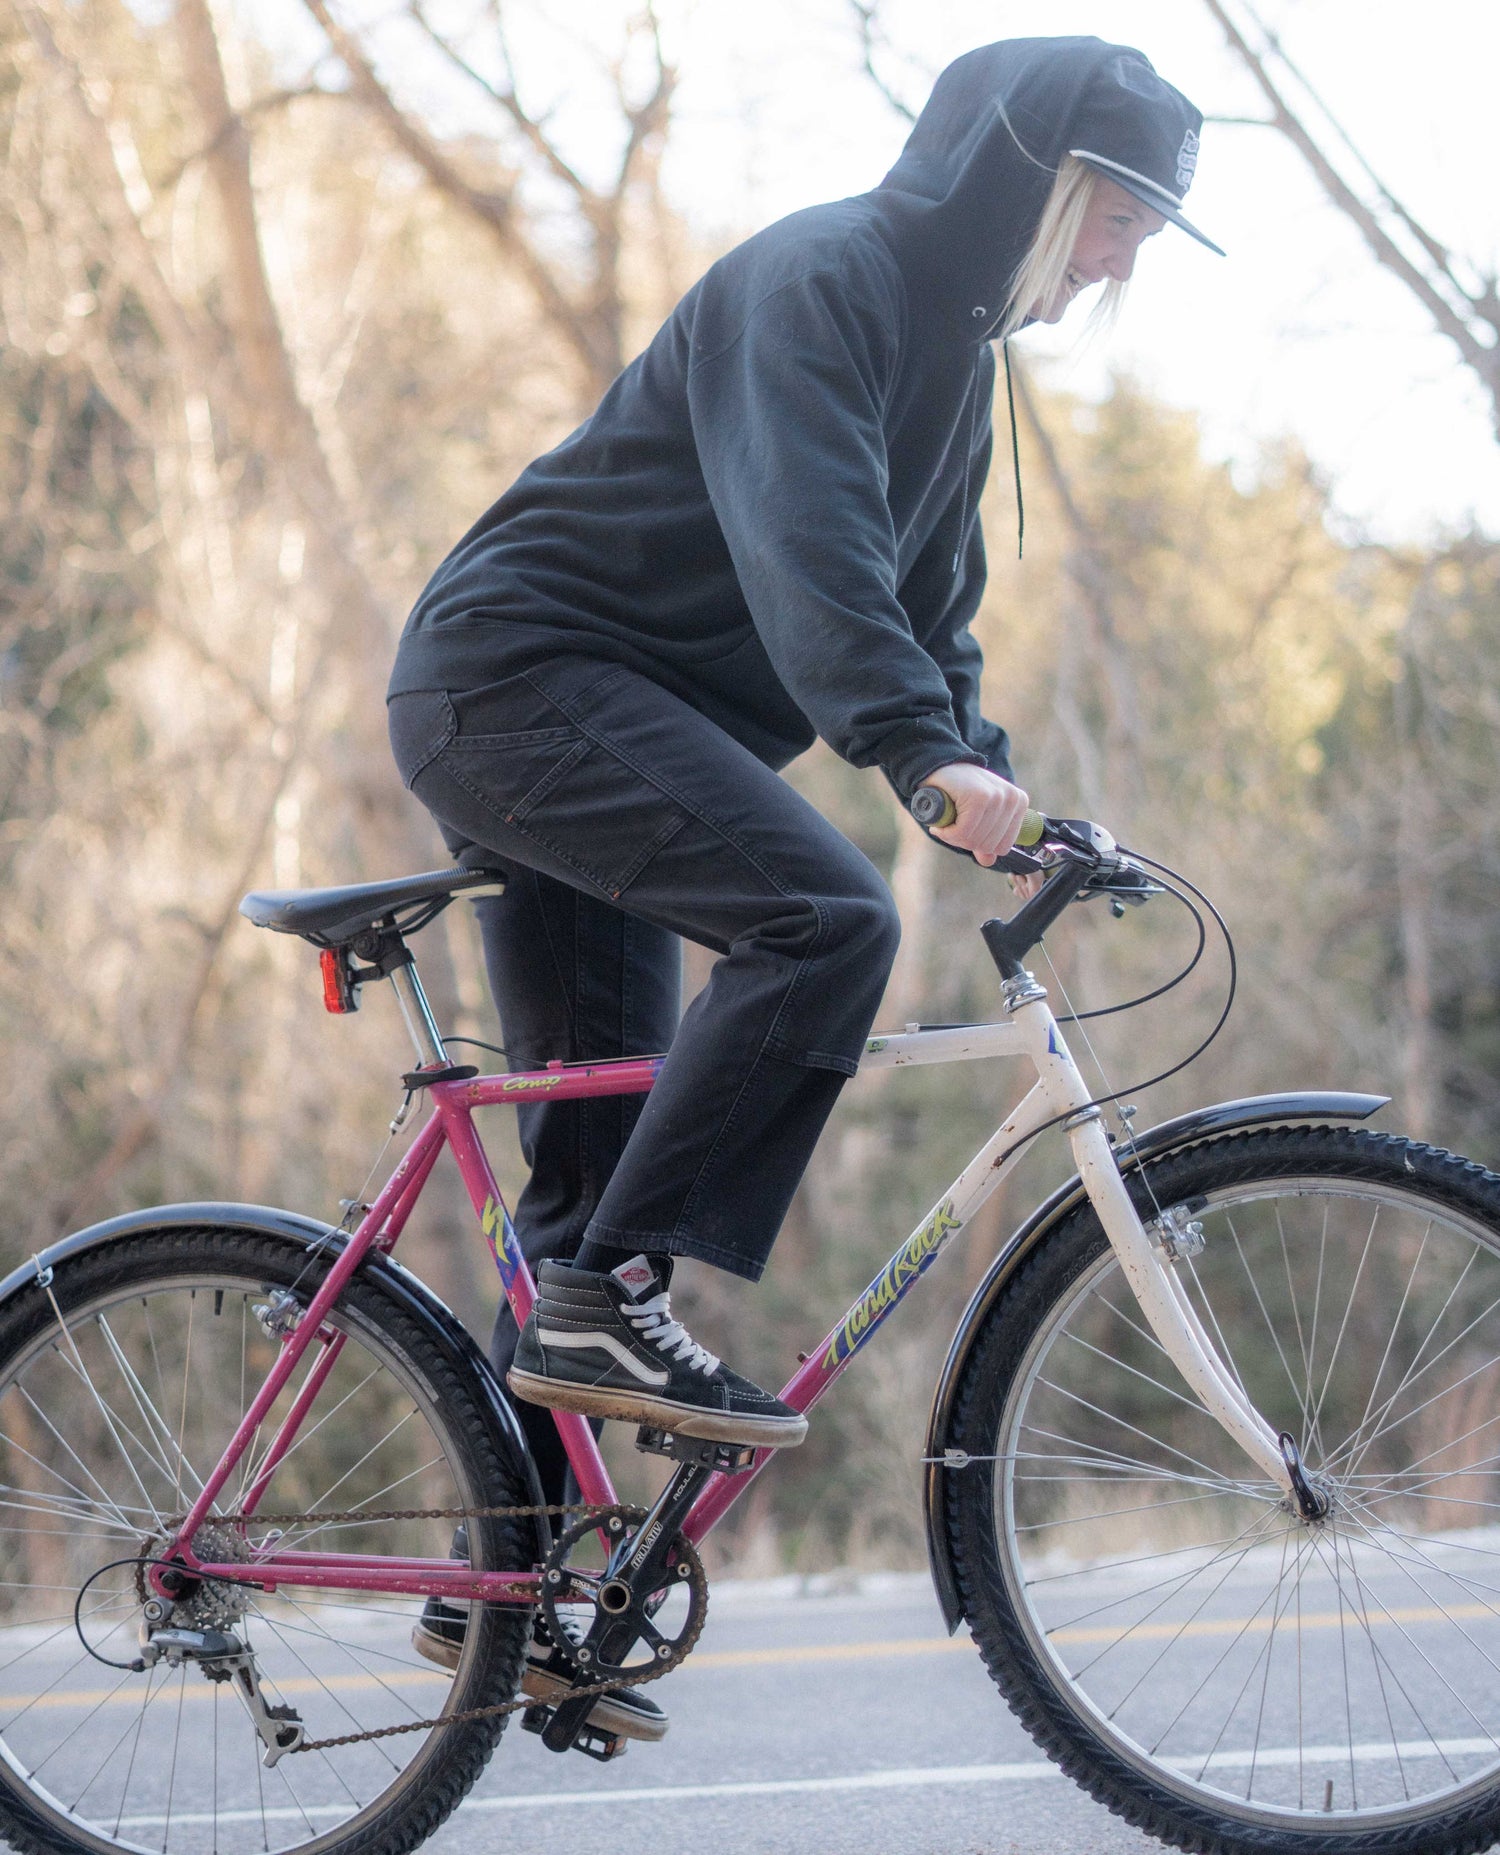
column 559, row 787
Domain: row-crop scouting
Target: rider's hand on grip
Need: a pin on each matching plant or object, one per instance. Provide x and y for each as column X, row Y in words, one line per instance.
column 972, row 809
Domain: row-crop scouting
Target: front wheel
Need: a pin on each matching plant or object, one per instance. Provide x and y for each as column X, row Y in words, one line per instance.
column 1206, row 1662
column 121, row 1382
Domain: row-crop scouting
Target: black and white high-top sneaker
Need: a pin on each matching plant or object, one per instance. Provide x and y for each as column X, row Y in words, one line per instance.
column 607, row 1345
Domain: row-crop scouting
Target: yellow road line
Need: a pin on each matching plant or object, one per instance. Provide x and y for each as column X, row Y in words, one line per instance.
column 813, row 1652
column 130, row 1692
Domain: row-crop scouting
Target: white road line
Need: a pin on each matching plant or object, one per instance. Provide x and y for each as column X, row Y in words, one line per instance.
column 910, row 1779
column 776, row 1787
column 667, row 1793
column 1361, row 1752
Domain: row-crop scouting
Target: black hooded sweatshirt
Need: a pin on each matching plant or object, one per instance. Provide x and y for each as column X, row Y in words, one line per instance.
column 774, row 511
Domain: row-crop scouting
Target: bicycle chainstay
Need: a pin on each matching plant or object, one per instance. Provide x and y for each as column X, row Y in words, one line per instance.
column 654, row 1672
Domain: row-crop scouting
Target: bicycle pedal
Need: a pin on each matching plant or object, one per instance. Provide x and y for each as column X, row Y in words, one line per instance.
column 603, row 1746
column 590, row 1741
column 724, row 1458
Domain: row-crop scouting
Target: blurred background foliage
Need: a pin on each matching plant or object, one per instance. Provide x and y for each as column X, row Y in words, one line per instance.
column 269, row 349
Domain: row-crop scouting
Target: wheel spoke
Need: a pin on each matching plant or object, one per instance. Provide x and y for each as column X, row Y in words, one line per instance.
column 1231, row 1562
column 1356, row 1444
column 1333, row 1357
column 306, row 1436
column 380, row 1495
column 1113, row 1417
column 1358, row 1455
column 113, row 1415
column 1298, row 1392
column 175, row 1460
column 1336, row 1671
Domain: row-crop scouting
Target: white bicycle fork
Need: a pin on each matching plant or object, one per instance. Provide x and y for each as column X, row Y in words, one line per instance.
column 1148, row 1268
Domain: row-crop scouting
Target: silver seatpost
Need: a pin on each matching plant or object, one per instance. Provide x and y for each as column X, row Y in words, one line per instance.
column 420, row 1022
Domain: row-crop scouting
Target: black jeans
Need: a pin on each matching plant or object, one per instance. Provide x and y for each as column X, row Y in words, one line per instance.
column 625, row 819
column 628, row 819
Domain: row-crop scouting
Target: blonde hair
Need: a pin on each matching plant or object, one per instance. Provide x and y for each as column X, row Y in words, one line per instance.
column 1041, row 273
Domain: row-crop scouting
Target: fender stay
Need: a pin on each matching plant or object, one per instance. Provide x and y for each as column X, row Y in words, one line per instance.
column 413, row 1295
column 1186, row 1130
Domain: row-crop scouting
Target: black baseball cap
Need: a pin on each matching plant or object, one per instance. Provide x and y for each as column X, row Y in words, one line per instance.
column 1134, row 128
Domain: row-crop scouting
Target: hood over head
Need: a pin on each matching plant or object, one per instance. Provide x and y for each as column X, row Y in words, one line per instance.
column 963, row 201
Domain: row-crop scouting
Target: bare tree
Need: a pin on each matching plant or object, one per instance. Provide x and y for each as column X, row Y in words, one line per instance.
column 874, row 49
column 1460, row 298
column 1106, row 776
column 289, row 661
column 588, row 310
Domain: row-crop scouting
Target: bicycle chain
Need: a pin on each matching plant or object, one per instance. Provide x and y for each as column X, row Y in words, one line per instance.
column 536, row 1511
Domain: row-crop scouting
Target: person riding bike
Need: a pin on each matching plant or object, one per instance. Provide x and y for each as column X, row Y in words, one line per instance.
column 767, row 531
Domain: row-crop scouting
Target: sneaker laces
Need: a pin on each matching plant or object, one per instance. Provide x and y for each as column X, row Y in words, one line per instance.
column 654, row 1321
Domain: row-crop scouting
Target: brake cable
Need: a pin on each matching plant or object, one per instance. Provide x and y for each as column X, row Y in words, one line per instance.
column 1115, row 1096
column 1105, row 1011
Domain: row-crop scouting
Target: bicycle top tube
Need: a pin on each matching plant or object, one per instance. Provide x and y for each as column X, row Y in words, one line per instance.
column 634, row 1075
column 627, row 1075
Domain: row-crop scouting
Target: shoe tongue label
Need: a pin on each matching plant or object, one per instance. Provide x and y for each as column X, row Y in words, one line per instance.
column 635, row 1276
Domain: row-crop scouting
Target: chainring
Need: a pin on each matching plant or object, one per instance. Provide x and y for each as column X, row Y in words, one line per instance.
column 570, row 1586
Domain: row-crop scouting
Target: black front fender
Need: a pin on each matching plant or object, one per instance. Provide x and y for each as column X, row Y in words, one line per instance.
column 1294, row 1109
column 412, row 1294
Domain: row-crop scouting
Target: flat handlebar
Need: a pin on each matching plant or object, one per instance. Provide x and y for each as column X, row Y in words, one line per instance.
column 1044, row 844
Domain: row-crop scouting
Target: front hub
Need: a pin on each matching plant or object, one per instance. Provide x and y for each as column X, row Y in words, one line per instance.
column 1314, row 1500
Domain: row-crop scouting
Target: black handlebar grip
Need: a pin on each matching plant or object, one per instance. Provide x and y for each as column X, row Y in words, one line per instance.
column 934, row 809
column 930, row 806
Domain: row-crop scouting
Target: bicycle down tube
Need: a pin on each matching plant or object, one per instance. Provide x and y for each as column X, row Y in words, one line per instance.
column 1029, row 1030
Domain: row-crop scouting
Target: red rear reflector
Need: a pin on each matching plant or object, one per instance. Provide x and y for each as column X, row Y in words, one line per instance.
column 338, row 994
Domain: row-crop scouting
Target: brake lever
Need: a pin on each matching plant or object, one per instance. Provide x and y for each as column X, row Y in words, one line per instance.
column 1091, row 841
column 1125, row 884
column 1076, row 839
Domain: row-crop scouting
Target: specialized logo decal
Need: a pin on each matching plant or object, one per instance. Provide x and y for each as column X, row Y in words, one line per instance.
column 514, row 1084
column 876, row 1045
column 635, row 1274
column 891, row 1284
column 1187, row 160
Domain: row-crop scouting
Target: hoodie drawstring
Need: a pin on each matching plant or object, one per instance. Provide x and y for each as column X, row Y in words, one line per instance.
column 1015, row 450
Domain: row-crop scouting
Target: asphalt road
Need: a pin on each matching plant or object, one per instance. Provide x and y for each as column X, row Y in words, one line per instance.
column 805, row 1723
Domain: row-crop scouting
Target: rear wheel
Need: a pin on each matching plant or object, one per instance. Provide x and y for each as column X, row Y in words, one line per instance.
column 120, row 1384
column 1204, row 1660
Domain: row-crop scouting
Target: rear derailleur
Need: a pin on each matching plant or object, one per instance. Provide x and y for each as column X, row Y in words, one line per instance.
column 220, row 1655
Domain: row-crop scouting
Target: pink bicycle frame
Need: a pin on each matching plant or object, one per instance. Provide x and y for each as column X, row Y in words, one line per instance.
column 451, row 1124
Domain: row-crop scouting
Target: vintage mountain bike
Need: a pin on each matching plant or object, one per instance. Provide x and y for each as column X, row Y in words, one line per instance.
column 1212, row 1469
